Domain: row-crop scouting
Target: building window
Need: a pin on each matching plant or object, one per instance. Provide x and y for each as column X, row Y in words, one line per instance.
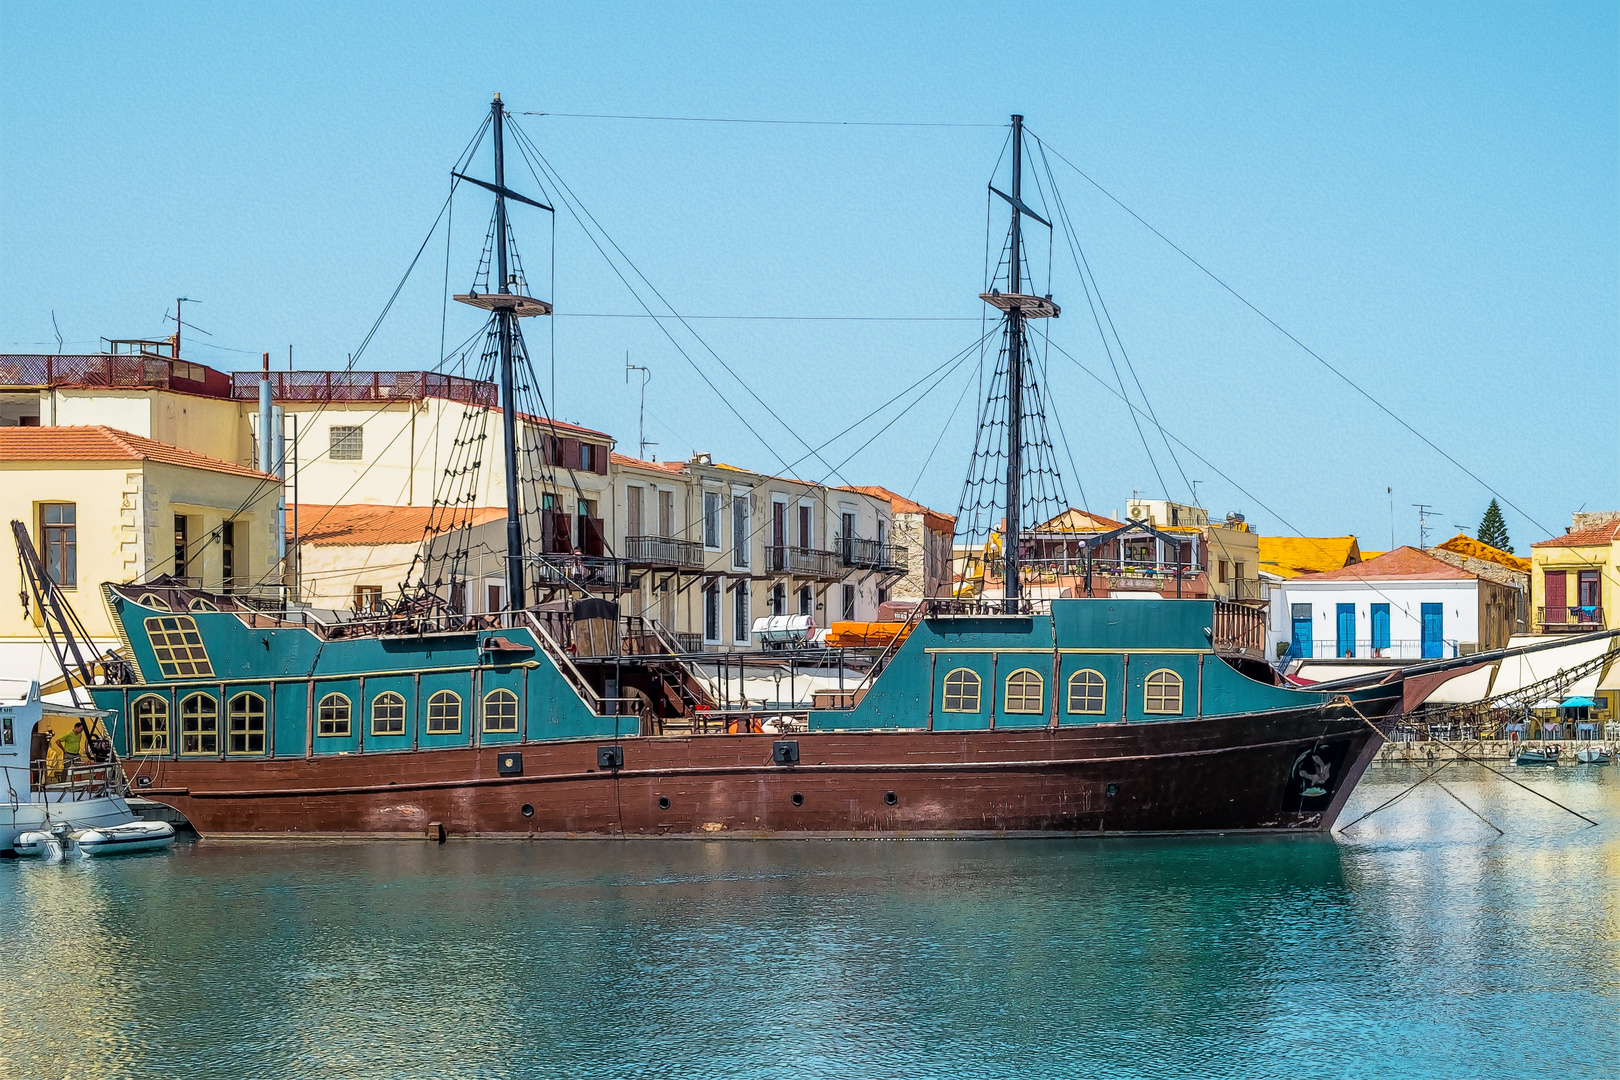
column 500, row 711
column 367, row 599
column 246, row 717
column 882, row 595
column 587, row 455
column 151, row 725
column 807, row 601
column 59, row 528
column 227, row 554
column 739, row 530
column 178, row 647
column 711, row 613
column 849, row 603
column 739, row 613
column 1163, row 693
column 779, row 599
column 199, row 725
column 332, row 716
column 666, row 514
column 1026, row 692
column 181, row 543
column 1380, row 628
column 962, row 691
column 1222, row 578
column 1088, row 692
column 711, row 520
column 346, row 442
column 444, row 713
column 632, row 510
column 388, row 714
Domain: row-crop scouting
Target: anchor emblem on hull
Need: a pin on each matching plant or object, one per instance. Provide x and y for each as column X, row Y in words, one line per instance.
column 1313, row 771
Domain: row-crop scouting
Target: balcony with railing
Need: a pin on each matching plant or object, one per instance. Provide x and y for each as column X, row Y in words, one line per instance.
column 663, row 552
column 1570, row 620
column 802, row 562
column 871, row 554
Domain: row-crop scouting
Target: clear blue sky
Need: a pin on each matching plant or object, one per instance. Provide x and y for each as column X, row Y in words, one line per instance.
column 1427, row 195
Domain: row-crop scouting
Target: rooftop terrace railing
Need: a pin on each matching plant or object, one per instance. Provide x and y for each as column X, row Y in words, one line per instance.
column 364, row 386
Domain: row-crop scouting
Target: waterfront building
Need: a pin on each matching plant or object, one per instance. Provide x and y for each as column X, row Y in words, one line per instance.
column 1575, row 589
column 107, row 505
column 1403, row 605
column 1493, row 564
column 926, row 537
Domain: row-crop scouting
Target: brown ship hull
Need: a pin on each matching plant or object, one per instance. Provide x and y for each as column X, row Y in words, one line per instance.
column 1277, row 771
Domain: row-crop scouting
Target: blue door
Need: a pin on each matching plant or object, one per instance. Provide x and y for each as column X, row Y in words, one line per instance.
column 1301, row 645
column 1346, row 645
column 1434, row 630
column 1380, row 628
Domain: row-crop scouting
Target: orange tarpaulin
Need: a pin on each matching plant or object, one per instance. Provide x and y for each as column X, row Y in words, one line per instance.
column 852, row 634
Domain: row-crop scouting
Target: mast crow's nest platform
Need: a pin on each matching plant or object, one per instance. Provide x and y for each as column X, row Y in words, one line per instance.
column 520, row 306
column 1032, row 307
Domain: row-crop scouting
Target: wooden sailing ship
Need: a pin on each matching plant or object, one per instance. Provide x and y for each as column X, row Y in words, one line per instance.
column 990, row 715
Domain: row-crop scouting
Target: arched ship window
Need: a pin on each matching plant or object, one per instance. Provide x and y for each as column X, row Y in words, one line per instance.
column 388, row 714
column 500, row 711
column 199, row 725
column 201, row 604
column 1088, row 692
column 246, row 718
column 1162, row 693
column 1026, row 692
column 151, row 725
column 962, row 691
column 444, row 713
column 332, row 716
column 154, row 601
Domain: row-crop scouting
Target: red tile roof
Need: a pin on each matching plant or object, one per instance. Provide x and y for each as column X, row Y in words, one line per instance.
column 1591, row 536
column 102, row 443
column 663, row 466
column 1401, row 564
column 366, row 524
column 899, row 503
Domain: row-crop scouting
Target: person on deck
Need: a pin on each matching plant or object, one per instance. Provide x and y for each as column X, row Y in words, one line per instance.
column 73, row 747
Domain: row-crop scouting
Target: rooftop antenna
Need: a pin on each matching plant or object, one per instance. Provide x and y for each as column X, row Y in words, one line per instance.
column 1425, row 512
column 177, row 321
column 641, row 421
column 1390, row 491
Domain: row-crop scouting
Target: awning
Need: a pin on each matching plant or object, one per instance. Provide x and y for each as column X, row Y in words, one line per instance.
column 1473, row 685
column 1611, row 681
column 1514, row 672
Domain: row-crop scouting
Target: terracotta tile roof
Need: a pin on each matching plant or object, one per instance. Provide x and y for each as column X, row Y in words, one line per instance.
column 637, row 463
column 899, row 503
column 1291, row 556
column 366, row 524
column 1402, row 564
column 1477, row 549
column 1075, row 520
column 102, row 443
column 1591, row 536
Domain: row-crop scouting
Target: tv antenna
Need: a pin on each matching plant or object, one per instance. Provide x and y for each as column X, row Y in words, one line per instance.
column 1425, row 512
column 641, row 420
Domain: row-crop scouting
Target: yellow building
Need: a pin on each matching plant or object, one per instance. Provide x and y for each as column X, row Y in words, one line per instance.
column 1575, row 588
column 1291, row 556
column 106, row 505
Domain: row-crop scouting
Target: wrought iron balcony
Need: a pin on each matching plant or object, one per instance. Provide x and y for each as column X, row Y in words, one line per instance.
column 803, row 562
column 871, row 555
column 663, row 551
column 1570, row 619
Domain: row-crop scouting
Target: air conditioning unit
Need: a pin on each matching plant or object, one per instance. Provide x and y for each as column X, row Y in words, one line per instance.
column 1137, row 511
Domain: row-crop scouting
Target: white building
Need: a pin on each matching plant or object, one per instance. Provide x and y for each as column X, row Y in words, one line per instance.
column 1402, row 605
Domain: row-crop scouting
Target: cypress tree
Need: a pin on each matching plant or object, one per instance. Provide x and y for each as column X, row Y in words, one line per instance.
column 1493, row 530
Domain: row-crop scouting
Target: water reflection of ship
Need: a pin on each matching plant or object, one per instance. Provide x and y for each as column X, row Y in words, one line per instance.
column 559, row 716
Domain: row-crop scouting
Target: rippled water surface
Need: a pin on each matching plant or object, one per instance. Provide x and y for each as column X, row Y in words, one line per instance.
column 1418, row 943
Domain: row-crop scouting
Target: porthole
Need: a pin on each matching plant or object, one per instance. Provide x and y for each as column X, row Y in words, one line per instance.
column 527, row 810
column 890, row 797
column 663, row 802
column 798, row 798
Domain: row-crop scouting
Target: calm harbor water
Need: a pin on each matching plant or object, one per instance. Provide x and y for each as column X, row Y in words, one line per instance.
column 1417, row 944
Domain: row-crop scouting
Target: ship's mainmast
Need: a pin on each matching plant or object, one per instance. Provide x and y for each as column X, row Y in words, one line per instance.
column 507, row 304
column 1018, row 307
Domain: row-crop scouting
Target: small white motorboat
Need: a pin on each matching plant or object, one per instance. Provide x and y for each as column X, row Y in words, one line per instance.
column 1593, row 755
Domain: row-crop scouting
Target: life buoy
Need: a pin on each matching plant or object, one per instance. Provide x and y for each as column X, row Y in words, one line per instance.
column 744, row 726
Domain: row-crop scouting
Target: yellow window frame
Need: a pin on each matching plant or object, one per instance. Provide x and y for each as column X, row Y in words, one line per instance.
column 955, row 699
column 1156, row 685
column 1023, row 707
column 438, row 724
column 246, row 713
column 503, row 700
column 155, row 739
column 333, row 715
column 178, row 647
column 192, row 726
column 1080, row 689
column 397, row 702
